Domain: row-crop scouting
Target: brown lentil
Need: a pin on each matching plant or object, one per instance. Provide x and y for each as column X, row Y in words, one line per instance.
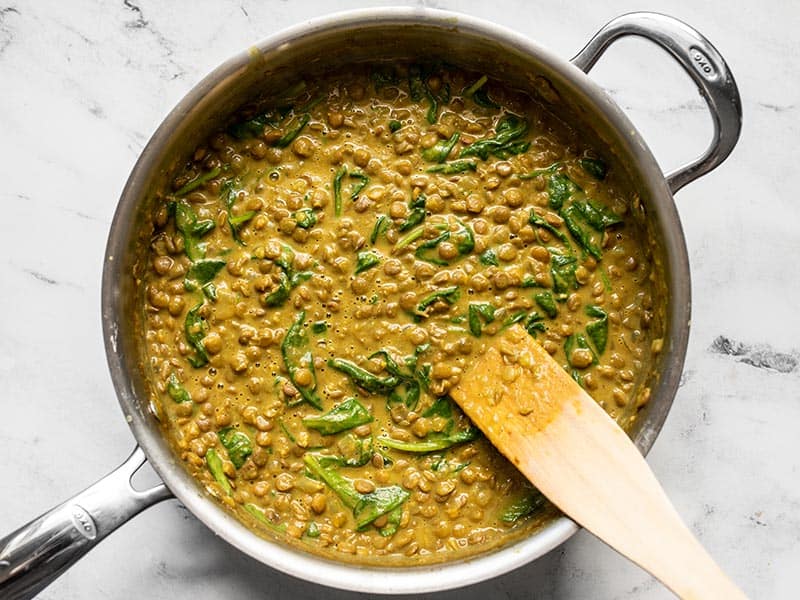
column 299, row 257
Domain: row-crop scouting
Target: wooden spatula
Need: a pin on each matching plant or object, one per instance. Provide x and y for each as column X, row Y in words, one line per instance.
column 569, row 448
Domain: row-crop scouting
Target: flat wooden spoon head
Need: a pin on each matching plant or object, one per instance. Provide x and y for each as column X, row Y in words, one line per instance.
column 568, row 447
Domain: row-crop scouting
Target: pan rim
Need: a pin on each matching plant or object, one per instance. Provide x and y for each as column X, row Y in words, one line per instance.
column 295, row 562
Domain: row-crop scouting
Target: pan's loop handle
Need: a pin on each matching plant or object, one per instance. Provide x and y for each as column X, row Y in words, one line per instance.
column 704, row 65
column 33, row 556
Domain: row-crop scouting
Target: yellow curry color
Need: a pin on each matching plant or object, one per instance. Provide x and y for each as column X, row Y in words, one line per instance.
column 324, row 268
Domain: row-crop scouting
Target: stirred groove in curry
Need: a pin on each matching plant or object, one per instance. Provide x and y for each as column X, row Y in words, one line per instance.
column 324, row 268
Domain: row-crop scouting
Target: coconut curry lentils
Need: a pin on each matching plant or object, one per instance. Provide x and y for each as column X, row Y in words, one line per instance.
column 321, row 272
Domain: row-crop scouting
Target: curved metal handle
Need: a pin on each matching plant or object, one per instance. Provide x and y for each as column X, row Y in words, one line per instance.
column 701, row 61
column 34, row 555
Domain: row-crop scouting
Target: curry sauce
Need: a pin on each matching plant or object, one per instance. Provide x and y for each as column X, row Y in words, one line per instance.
column 324, row 268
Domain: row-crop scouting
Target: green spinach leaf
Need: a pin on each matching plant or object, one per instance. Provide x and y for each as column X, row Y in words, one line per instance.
column 540, row 172
column 201, row 274
column 337, row 190
column 280, row 294
column 380, row 502
column 392, row 523
column 595, row 167
column 413, row 235
column 596, row 214
column 433, row 443
column 350, row 413
column 449, row 295
column 476, row 311
column 201, row 179
column 538, row 221
column 562, row 270
column 453, row 168
column 534, row 323
column 306, row 218
column 255, row 126
column 416, row 214
column 547, row 303
column 411, row 381
column 366, row 507
column 293, row 128
column 439, row 152
column 237, row 444
column 355, row 189
column 361, row 182
column 382, row 225
column 588, row 239
column 427, row 250
column 363, row 378
column 214, row 464
column 489, row 258
column 288, row 278
column 463, row 238
column 441, row 407
column 355, row 452
column 597, row 330
column 366, row 260
column 312, row 530
column 195, row 328
column 479, row 95
column 559, row 189
column 523, row 506
column 419, row 89
column 578, row 340
column 505, row 142
column 176, row 391
column 229, row 192
column 191, row 229
column 259, row 515
column 297, row 356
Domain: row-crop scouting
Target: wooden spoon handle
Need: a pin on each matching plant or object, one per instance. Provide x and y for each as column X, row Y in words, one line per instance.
column 578, row 457
column 616, row 496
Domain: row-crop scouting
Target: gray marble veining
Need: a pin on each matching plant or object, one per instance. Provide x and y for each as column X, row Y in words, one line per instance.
column 83, row 85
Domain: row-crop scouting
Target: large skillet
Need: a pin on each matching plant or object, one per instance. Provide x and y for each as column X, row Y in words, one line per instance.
column 34, row 555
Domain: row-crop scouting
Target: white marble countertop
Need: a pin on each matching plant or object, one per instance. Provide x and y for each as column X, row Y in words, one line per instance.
column 83, row 84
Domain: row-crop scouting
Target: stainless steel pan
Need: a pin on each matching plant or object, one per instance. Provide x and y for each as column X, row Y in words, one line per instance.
column 37, row 553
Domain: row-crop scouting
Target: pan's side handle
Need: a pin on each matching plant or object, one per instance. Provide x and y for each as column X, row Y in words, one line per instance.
column 33, row 556
column 701, row 61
